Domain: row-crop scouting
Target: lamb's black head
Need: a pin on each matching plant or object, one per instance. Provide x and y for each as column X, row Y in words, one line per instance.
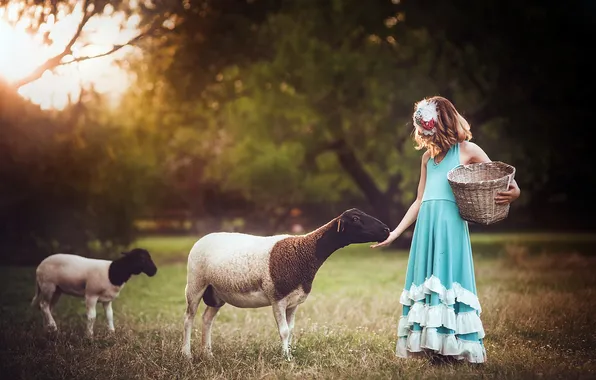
column 139, row 261
column 359, row 227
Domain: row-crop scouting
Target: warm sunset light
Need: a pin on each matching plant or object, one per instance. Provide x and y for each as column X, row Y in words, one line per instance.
column 22, row 52
column 289, row 189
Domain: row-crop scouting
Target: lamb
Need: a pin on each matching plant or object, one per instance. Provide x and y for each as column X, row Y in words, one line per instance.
column 95, row 280
column 250, row 271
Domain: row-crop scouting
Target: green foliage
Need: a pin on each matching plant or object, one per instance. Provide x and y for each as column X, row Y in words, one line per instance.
column 272, row 104
column 67, row 180
column 316, row 108
column 340, row 79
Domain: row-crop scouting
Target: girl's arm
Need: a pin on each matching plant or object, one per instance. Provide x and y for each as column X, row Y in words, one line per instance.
column 412, row 214
column 472, row 154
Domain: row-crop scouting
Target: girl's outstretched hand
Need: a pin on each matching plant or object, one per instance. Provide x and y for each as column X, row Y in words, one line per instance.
column 505, row 197
column 392, row 236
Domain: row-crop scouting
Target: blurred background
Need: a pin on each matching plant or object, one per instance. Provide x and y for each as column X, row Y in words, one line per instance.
column 128, row 119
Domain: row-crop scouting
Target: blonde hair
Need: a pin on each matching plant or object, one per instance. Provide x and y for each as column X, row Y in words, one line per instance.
column 451, row 128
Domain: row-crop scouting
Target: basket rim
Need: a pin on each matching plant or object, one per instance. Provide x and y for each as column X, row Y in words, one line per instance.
column 493, row 163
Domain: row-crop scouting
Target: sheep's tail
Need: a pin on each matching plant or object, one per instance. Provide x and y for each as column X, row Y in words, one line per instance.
column 35, row 300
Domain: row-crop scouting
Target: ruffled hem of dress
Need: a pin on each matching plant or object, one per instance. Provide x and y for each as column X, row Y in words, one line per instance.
column 444, row 344
column 440, row 315
column 447, row 296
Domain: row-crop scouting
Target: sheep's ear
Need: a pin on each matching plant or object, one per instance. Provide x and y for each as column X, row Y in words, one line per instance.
column 340, row 226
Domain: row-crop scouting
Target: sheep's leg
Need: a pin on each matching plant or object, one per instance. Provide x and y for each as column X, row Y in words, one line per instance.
column 279, row 312
column 290, row 316
column 90, row 302
column 36, row 297
column 49, row 322
column 107, row 306
column 208, row 317
column 55, row 298
column 193, row 298
column 45, row 305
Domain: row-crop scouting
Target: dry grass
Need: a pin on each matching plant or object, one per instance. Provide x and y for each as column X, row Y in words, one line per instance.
column 538, row 314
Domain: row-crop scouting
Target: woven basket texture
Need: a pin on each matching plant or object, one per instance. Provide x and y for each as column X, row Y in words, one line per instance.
column 475, row 187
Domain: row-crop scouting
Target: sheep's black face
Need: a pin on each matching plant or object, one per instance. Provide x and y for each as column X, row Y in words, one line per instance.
column 141, row 262
column 359, row 227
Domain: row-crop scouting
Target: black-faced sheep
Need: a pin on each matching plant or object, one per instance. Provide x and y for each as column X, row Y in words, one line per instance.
column 94, row 279
column 250, row 271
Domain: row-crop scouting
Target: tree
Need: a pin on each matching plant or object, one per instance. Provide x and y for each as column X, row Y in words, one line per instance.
column 317, row 81
column 325, row 76
column 69, row 181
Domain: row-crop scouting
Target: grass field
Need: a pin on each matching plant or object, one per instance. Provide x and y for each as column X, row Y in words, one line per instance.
column 536, row 291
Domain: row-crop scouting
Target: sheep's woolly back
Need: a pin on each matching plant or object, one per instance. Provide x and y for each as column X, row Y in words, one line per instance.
column 75, row 275
column 232, row 261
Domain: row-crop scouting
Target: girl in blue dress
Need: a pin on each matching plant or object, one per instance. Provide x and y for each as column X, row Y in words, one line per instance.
column 441, row 311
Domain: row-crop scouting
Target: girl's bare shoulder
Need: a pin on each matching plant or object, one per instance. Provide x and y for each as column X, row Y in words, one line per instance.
column 425, row 157
column 468, row 146
column 471, row 153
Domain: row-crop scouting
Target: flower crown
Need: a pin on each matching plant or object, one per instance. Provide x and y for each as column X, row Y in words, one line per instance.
column 426, row 116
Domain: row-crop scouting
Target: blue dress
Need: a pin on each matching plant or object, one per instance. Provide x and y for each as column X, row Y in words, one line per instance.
column 441, row 311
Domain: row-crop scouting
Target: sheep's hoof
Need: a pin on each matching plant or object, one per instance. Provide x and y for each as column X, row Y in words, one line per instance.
column 186, row 354
column 52, row 331
column 288, row 357
column 208, row 355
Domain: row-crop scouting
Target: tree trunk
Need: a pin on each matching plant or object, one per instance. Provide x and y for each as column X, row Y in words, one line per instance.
column 380, row 202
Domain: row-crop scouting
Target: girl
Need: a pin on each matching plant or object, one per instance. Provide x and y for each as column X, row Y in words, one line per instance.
column 441, row 312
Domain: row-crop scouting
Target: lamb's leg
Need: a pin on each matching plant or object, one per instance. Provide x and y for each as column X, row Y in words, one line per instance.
column 208, row 317
column 279, row 312
column 290, row 316
column 55, row 298
column 45, row 305
column 193, row 297
column 47, row 314
column 35, row 300
column 107, row 306
column 90, row 302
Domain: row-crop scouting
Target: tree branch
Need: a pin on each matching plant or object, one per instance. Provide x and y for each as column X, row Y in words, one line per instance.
column 56, row 61
column 111, row 51
column 312, row 154
column 86, row 16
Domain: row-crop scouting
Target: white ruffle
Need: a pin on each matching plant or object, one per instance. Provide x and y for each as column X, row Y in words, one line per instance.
column 432, row 316
column 469, row 322
column 447, row 296
column 445, row 344
column 440, row 315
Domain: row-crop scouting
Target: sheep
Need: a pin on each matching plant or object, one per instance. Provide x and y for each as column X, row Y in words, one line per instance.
column 94, row 279
column 250, row 271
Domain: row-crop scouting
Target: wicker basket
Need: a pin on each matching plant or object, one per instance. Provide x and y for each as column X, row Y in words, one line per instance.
column 475, row 187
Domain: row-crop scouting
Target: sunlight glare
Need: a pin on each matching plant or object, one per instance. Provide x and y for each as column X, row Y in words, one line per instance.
column 21, row 53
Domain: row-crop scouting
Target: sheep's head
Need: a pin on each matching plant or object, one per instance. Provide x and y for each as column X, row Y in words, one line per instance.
column 359, row 227
column 139, row 261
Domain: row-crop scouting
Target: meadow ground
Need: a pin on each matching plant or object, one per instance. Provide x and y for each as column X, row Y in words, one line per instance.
column 537, row 293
